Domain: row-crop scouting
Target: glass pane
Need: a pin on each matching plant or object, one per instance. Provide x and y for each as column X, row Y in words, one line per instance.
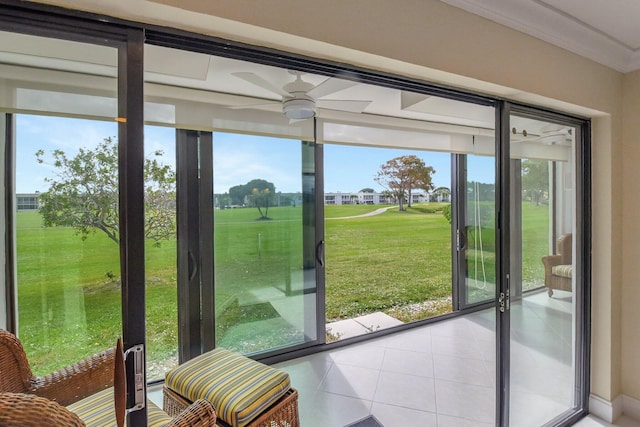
column 388, row 255
column 536, row 212
column 542, row 243
column 66, row 196
column 264, row 205
column 479, row 230
column 160, row 251
column 67, row 239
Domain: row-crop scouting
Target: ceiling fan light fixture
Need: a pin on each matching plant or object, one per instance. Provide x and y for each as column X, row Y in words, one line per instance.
column 299, row 108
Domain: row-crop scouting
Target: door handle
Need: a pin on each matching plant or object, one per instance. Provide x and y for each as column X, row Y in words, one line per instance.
column 461, row 240
column 193, row 266
column 320, row 253
column 138, row 379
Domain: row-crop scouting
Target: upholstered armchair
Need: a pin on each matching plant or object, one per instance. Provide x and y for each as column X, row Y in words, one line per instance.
column 64, row 386
column 558, row 268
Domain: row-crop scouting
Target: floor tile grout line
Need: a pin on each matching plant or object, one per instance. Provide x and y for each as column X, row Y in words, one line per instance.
column 375, row 391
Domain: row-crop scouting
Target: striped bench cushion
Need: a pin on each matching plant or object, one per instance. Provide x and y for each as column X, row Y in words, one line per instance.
column 239, row 388
column 98, row 410
column 562, row 270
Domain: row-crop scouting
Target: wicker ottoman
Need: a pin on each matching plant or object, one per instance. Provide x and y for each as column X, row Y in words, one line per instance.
column 243, row 392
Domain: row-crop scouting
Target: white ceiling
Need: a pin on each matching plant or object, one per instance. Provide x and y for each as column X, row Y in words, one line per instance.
column 605, row 31
column 200, row 91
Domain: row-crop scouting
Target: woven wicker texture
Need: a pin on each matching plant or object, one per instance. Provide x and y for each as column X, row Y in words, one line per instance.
column 65, row 386
column 28, row 410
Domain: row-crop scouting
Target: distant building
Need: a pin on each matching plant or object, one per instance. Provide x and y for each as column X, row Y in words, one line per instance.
column 27, row 202
column 361, row 198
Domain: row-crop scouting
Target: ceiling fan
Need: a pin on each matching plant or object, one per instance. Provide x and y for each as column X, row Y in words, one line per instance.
column 300, row 99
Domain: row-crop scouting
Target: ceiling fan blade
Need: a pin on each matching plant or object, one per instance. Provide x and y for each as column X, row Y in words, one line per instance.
column 352, row 106
column 262, row 104
column 260, row 82
column 330, row 86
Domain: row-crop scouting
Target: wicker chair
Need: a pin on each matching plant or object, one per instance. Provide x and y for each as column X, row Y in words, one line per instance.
column 64, row 386
column 558, row 268
column 108, row 407
column 28, row 410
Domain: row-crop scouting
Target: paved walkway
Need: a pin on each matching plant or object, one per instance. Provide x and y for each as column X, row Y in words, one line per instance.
column 376, row 212
column 361, row 325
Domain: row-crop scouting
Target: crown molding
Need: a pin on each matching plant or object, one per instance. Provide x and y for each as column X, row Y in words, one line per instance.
column 536, row 19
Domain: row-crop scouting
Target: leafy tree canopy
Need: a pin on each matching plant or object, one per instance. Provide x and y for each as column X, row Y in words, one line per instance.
column 403, row 174
column 535, row 179
column 240, row 193
column 258, row 193
column 367, row 190
column 83, row 194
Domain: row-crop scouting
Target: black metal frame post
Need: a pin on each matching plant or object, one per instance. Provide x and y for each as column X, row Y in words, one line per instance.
column 206, row 242
column 131, row 204
column 458, row 232
column 10, row 291
column 188, row 256
column 503, row 260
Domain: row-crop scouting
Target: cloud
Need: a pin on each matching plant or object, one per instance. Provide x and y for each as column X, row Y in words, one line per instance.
column 237, row 159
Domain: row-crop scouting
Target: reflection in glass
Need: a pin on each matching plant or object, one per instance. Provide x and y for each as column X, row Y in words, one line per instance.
column 261, row 199
column 68, row 270
column 479, row 238
column 160, row 251
column 536, row 210
column 543, row 225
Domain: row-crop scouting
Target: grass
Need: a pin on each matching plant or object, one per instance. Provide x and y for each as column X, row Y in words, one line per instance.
column 535, row 243
column 70, row 306
column 388, row 260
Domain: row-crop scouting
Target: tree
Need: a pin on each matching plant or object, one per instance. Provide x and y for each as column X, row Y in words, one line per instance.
column 84, row 193
column 535, row 179
column 367, row 190
column 441, row 194
column 403, row 174
column 257, row 192
column 222, row 201
column 241, row 194
column 237, row 194
column 262, row 198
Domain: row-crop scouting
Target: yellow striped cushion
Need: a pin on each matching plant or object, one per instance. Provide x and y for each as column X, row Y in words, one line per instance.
column 562, row 270
column 97, row 410
column 239, row 388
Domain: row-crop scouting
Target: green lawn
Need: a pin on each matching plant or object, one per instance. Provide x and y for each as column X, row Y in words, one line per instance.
column 535, row 243
column 388, row 260
column 69, row 306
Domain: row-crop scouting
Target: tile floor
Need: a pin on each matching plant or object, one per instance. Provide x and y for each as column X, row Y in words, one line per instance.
column 444, row 374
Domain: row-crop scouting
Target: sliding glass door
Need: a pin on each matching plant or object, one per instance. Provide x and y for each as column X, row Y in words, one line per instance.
column 546, row 288
column 68, row 281
column 476, row 231
column 264, row 242
column 72, row 168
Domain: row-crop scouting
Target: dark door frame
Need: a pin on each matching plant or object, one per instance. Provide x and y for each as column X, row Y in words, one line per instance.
column 582, row 293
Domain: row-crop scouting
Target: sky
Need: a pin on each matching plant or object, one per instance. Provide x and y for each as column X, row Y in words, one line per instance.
column 237, row 158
